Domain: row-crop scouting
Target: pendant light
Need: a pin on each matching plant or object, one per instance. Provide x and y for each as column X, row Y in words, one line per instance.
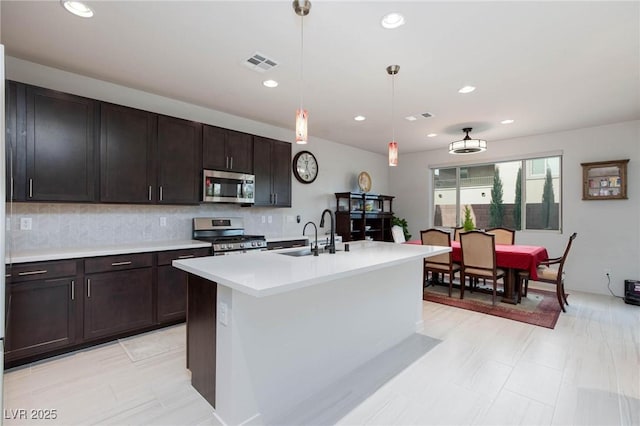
column 467, row 145
column 302, row 8
column 392, row 70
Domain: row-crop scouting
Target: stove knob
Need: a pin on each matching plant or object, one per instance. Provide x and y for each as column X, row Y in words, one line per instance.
column 241, row 245
column 253, row 243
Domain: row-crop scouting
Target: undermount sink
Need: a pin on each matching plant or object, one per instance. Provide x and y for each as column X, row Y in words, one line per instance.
column 303, row 252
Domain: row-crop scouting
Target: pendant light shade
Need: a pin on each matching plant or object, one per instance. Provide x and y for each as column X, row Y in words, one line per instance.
column 393, row 153
column 302, row 9
column 392, row 70
column 467, row 145
column 301, row 126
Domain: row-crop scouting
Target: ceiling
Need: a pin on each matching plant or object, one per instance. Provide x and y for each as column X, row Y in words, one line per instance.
column 550, row 66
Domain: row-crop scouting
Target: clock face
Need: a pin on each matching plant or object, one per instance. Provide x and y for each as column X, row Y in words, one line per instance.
column 305, row 167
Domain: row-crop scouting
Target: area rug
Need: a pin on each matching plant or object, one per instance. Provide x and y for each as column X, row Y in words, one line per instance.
column 539, row 308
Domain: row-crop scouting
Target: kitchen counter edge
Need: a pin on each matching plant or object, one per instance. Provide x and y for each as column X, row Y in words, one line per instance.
column 44, row 255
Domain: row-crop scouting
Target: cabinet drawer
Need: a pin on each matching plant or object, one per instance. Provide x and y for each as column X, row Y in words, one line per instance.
column 117, row 263
column 166, row 257
column 41, row 270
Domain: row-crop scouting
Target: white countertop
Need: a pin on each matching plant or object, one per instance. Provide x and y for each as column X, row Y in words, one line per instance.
column 43, row 255
column 267, row 273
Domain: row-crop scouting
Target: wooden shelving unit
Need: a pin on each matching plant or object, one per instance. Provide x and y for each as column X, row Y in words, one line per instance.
column 362, row 216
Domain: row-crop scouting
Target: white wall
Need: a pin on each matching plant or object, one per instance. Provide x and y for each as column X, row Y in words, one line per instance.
column 339, row 166
column 608, row 231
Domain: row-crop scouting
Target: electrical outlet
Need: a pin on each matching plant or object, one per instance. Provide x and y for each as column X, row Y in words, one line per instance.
column 223, row 313
column 163, row 221
column 270, row 219
column 25, row 224
column 264, row 219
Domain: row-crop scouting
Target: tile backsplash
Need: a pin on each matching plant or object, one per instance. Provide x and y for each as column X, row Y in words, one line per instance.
column 58, row 225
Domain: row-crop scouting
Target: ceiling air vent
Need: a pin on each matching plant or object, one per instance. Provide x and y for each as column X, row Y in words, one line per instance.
column 427, row 115
column 260, row 63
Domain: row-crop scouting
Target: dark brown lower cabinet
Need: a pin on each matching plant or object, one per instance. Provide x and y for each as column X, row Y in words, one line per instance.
column 118, row 301
column 172, row 285
column 201, row 336
column 59, row 306
column 40, row 317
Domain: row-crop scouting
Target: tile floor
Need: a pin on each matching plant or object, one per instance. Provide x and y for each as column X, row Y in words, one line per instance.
column 486, row 371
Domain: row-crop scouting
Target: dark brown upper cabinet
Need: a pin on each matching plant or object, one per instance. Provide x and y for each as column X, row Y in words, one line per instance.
column 15, row 140
column 127, row 167
column 179, row 161
column 51, row 145
column 227, row 150
column 272, row 168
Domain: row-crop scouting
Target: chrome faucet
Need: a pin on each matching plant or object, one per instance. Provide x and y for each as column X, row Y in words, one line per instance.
column 332, row 243
column 315, row 250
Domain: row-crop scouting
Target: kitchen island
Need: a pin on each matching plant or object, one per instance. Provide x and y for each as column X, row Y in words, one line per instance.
column 266, row 331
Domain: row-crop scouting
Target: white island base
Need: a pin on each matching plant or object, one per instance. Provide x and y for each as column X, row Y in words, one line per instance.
column 273, row 353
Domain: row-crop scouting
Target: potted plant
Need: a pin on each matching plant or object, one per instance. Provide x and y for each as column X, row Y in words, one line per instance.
column 468, row 222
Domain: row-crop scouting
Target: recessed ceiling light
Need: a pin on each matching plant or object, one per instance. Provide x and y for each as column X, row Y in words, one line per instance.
column 392, row 20
column 270, row 83
column 509, row 121
column 359, row 118
column 410, row 118
column 467, row 89
column 77, row 8
column 432, row 135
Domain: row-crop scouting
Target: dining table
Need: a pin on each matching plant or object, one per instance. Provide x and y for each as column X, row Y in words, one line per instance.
column 513, row 258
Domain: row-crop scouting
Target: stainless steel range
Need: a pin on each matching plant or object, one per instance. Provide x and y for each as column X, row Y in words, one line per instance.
column 226, row 234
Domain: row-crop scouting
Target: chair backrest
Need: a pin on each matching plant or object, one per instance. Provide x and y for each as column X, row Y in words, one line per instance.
column 566, row 252
column 456, row 232
column 436, row 237
column 398, row 234
column 503, row 235
column 478, row 250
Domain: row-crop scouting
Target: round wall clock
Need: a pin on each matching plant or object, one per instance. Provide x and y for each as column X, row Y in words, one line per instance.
column 305, row 167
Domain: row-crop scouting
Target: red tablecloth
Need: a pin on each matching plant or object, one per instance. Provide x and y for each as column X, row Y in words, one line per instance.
column 525, row 258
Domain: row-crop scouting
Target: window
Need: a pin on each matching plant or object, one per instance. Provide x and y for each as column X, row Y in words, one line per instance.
column 523, row 194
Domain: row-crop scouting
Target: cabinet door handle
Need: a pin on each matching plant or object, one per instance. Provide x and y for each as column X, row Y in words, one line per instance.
column 30, row 188
column 128, row 262
column 270, row 198
column 149, row 192
column 226, row 164
column 186, row 256
column 73, row 291
column 275, row 196
column 160, row 192
column 42, row 271
column 231, row 163
column 88, row 288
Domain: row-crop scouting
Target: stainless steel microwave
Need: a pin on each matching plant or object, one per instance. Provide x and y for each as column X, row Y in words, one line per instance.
column 227, row 187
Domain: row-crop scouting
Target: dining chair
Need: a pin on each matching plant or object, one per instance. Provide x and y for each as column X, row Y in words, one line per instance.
column 478, row 250
column 503, row 235
column 398, row 234
column 442, row 263
column 549, row 275
column 456, row 233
